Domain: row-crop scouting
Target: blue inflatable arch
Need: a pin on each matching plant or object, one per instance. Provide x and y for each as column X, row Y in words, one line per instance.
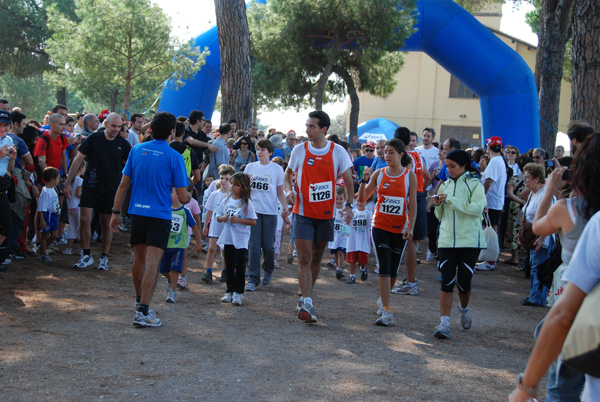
column 453, row 38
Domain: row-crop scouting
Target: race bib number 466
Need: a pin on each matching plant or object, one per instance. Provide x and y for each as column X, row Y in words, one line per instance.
column 392, row 205
column 320, row 192
column 260, row 183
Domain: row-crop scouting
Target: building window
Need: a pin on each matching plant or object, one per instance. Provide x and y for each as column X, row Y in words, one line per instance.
column 459, row 90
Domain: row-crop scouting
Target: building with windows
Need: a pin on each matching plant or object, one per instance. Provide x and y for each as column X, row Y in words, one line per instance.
column 428, row 96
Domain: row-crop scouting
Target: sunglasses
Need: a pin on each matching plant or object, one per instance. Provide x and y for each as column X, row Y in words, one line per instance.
column 370, row 150
column 511, row 152
column 243, row 143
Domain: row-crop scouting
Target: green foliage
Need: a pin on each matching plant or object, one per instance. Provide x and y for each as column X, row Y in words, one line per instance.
column 293, row 41
column 31, row 94
column 339, row 125
column 119, row 50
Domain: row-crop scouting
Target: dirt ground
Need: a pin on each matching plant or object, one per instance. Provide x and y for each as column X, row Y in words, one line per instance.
column 67, row 335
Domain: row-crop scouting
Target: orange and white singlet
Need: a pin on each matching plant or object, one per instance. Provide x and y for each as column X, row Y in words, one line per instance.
column 391, row 210
column 316, row 196
column 418, row 169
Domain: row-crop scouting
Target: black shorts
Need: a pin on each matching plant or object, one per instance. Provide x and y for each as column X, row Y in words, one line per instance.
column 64, row 212
column 313, row 229
column 420, row 230
column 495, row 215
column 150, row 231
column 102, row 203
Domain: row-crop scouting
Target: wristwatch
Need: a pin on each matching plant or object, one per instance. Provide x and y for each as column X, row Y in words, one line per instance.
column 525, row 388
column 115, row 212
column 349, row 204
column 364, row 181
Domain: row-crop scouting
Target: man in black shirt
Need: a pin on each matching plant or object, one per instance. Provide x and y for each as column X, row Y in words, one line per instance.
column 106, row 152
column 195, row 137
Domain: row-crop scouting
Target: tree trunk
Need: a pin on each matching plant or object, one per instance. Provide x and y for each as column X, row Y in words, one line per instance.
column 354, row 101
column 553, row 36
column 113, row 100
column 127, row 97
column 61, row 96
column 585, row 70
column 236, row 73
column 320, row 87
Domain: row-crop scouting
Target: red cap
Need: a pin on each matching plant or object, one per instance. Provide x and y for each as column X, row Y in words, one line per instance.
column 370, row 144
column 494, row 141
column 103, row 114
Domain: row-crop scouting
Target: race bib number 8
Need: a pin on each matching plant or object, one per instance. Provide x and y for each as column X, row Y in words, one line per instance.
column 260, row 183
column 392, row 205
column 176, row 223
column 320, row 192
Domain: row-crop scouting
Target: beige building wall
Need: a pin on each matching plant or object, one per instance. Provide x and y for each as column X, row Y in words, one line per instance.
column 422, row 95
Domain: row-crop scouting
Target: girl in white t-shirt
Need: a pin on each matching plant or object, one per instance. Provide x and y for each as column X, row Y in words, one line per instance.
column 73, row 210
column 359, row 242
column 237, row 213
column 341, row 231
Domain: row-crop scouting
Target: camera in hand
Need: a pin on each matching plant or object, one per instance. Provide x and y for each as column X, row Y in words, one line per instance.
column 548, row 163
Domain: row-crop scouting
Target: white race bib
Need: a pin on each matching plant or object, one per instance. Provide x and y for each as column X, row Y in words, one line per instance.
column 176, row 223
column 320, row 192
column 392, row 205
column 260, row 183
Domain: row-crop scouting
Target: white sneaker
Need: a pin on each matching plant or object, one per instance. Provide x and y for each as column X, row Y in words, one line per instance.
column 430, row 256
column 67, row 251
column 236, row 299
column 386, row 319
column 84, row 262
column 485, row 266
column 103, row 264
column 227, row 298
column 171, row 297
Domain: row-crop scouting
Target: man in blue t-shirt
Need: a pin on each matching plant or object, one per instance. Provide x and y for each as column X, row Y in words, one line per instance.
column 152, row 170
column 366, row 160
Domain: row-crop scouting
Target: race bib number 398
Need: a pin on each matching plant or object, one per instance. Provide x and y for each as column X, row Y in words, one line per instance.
column 392, row 205
column 320, row 192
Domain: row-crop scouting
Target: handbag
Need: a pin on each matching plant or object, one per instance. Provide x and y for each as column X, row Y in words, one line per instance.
column 581, row 349
column 492, row 251
column 526, row 238
column 545, row 270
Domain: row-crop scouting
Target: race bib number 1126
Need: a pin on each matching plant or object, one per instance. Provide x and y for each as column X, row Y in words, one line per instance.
column 320, row 191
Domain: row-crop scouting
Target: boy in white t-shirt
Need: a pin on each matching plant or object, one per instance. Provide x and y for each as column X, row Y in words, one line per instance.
column 359, row 242
column 212, row 204
column 48, row 209
column 341, row 231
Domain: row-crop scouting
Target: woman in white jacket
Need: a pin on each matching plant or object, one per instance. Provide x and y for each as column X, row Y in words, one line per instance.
column 458, row 205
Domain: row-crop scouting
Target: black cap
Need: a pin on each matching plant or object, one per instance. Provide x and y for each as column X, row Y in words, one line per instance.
column 5, row 117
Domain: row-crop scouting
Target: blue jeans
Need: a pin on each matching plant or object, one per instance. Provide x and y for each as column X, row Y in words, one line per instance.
column 262, row 236
column 564, row 383
column 537, row 292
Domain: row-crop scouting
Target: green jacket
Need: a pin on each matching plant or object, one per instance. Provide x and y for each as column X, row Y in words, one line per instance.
column 461, row 214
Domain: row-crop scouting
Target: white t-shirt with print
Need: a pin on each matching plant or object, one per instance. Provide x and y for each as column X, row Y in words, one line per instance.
column 264, row 181
column 431, row 155
column 235, row 234
column 360, row 232
column 48, row 201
